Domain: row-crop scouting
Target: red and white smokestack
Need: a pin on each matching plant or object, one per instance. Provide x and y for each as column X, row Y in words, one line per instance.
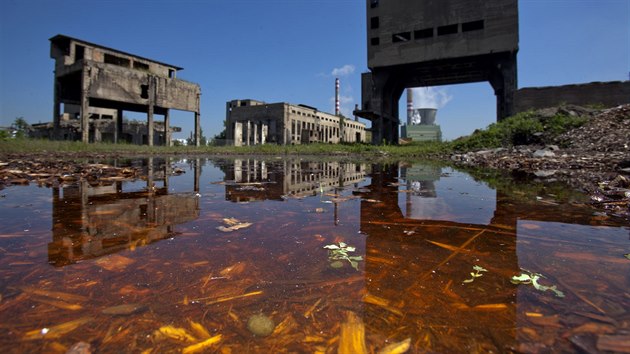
column 337, row 110
column 409, row 105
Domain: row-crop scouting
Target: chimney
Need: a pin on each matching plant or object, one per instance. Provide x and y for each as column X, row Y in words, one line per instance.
column 337, row 111
column 409, row 106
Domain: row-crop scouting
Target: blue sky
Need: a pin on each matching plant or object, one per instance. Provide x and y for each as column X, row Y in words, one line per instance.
column 288, row 50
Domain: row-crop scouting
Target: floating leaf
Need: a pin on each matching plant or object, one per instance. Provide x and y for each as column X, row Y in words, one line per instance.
column 533, row 278
column 627, row 255
column 476, row 274
column 397, row 348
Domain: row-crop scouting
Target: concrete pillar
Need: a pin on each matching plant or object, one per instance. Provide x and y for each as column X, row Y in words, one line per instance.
column 167, row 128
column 85, row 106
column 248, row 133
column 119, row 125
column 264, row 131
column 255, row 131
column 56, row 109
column 197, row 129
column 238, row 133
column 150, row 127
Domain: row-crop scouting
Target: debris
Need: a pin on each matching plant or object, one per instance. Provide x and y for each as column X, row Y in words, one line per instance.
column 352, row 338
column 476, row 274
column 260, row 325
column 397, row 348
column 175, row 333
column 233, row 225
column 56, row 331
column 124, row 310
column 528, row 277
column 80, row 348
column 199, row 347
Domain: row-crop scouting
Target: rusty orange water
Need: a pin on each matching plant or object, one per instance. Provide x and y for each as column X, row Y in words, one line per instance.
column 182, row 262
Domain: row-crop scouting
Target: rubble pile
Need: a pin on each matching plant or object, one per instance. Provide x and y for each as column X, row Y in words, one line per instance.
column 591, row 157
column 45, row 172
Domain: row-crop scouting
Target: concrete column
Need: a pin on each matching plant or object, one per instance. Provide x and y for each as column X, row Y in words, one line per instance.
column 255, row 129
column 167, row 128
column 197, row 129
column 85, row 106
column 238, row 134
column 150, row 127
column 119, row 125
column 263, row 133
column 248, row 132
column 56, row 108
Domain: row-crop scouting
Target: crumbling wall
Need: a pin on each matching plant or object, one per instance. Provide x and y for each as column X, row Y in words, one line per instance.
column 607, row 94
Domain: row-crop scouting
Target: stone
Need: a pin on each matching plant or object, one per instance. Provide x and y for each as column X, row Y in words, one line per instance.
column 260, row 325
column 545, row 173
column 543, row 153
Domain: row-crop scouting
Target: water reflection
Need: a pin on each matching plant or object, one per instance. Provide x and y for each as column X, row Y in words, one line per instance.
column 419, row 228
column 252, row 179
column 92, row 221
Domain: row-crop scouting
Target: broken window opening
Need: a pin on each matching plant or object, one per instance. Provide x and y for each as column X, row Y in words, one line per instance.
column 171, row 73
column 401, row 37
column 375, row 41
column 373, row 4
column 116, row 60
column 144, row 91
column 374, row 22
column 448, row 29
column 423, row 33
column 473, row 26
column 140, row 66
column 79, row 52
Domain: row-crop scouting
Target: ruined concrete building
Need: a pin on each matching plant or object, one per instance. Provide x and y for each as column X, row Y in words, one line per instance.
column 93, row 77
column 422, row 43
column 251, row 122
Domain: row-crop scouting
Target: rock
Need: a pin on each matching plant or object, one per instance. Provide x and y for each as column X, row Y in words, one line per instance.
column 543, row 153
column 545, row 173
column 260, row 325
column 552, row 147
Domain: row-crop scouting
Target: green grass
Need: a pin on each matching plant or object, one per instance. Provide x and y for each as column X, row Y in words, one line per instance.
column 35, row 146
column 521, row 129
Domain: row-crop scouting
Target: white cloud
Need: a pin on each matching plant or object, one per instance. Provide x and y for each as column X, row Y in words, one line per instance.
column 430, row 97
column 343, row 71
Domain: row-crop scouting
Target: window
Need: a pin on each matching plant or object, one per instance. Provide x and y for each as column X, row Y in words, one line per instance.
column 401, row 37
column 423, row 33
column 171, row 73
column 116, row 60
column 448, row 29
column 79, row 52
column 375, row 41
column 373, row 4
column 472, row 26
column 374, row 22
column 140, row 66
column 144, row 91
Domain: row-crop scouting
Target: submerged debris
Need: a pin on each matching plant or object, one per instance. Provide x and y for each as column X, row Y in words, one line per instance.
column 528, row 277
column 260, row 325
column 476, row 274
column 233, row 225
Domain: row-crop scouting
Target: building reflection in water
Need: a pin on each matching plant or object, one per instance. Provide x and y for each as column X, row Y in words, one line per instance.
column 92, row 221
column 252, row 179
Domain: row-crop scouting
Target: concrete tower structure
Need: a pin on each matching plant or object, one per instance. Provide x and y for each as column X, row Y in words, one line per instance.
column 423, row 43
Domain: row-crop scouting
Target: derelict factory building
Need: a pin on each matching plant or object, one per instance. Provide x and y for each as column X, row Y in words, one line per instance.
column 251, row 122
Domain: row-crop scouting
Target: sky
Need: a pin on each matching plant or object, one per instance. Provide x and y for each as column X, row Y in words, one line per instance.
column 290, row 51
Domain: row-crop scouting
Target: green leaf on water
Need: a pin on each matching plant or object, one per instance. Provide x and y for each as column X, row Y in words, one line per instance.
column 627, row 255
column 532, row 278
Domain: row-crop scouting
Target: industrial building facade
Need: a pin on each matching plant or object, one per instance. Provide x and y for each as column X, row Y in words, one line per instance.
column 91, row 76
column 251, row 122
column 423, row 43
